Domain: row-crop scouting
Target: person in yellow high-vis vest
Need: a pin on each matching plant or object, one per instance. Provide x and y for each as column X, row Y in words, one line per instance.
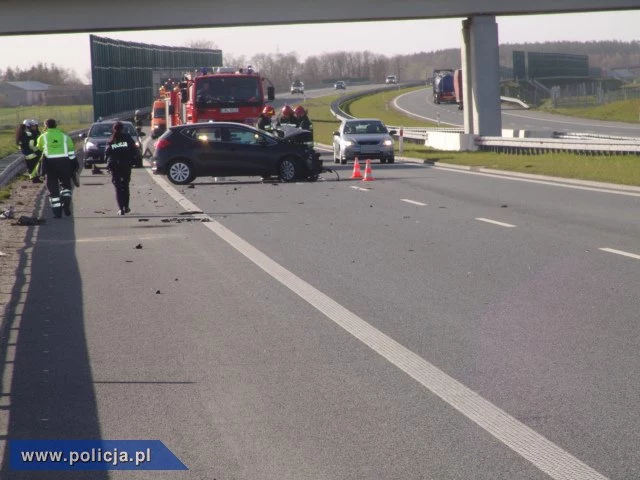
column 58, row 165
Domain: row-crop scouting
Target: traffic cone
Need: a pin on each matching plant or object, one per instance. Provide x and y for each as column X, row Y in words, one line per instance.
column 368, row 176
column 356, row 169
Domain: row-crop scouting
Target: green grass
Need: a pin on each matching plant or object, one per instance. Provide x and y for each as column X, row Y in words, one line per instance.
column 69, row 117
column 5, row 193
column 623, row 111
column 619, row 169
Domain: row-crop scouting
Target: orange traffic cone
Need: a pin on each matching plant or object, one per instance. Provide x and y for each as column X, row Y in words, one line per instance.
column 356, row 169
column 368, row 176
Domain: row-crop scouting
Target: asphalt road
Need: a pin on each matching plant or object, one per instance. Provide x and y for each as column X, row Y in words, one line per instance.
column 420, row 103
column 431, row 324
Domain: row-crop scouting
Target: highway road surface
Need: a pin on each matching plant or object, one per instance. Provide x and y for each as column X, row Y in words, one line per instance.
column 431, row 324
column 420, row 103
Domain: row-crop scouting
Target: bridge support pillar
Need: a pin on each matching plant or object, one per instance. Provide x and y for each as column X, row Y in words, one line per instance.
column 481, row 76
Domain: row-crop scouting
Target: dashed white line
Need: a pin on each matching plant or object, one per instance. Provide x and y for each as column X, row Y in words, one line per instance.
column 413, row 202
column 541, row 452
column 620, row 252
column 360, row 189
column 495, row 222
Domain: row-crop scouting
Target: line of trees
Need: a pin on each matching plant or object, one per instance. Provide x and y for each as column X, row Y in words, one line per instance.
column 316, row 70
column 42, row 72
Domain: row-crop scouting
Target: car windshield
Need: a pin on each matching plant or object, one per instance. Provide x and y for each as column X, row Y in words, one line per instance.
column 363, row 127
column 106, row 129
column 229, row 91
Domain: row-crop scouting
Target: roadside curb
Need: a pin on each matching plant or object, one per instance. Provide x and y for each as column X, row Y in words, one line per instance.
column 528, row 176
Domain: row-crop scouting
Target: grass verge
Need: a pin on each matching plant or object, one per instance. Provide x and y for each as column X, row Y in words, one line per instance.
column 618, row 169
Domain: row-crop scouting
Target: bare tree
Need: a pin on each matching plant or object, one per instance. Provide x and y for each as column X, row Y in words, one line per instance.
column 202, row 43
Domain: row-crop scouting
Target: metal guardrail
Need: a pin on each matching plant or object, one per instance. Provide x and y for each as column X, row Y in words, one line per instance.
column 532, row 146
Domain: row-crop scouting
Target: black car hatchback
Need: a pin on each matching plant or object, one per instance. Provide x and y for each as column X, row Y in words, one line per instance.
column 225, row 149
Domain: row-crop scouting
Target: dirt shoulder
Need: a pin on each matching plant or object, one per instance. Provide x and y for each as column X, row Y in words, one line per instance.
column 16, row 241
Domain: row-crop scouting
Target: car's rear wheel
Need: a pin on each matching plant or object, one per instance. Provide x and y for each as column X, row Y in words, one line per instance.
column 180, row 172
column 287, row 170
column 391, row 160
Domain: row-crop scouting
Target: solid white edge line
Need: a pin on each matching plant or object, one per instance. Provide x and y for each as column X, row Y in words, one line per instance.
column 541, row 452
column 413, row 202
column 539, row 182
column 495, row 222
column 620, row 252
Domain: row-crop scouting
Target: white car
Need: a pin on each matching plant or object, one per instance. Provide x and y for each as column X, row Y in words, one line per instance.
column 365, row 138
column 297, row 87
column 391, row 79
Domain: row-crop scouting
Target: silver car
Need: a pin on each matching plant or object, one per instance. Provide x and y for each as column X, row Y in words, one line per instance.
column 365, row 138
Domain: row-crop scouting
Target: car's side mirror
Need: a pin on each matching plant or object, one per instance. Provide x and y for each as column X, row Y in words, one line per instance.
column 392, row 132
column 271, row 93
column 82, row 135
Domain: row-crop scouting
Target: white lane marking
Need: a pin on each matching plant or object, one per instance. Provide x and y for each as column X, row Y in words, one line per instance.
column 495, row 222
column 360, row 189
column 620, row 252
column 544, row 454
column 413, row 202
column 510, row 176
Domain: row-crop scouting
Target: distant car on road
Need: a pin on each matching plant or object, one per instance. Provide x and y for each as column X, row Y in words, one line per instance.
column 391, row 80
column 226, row 149
column 340, row 85
column 95, row 142
column 365, row 138
column 297, row 86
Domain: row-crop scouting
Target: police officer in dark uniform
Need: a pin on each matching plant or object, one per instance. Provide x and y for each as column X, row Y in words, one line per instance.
column 121, row 153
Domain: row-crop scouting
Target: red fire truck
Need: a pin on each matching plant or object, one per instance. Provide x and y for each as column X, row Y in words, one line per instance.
column 225, row 94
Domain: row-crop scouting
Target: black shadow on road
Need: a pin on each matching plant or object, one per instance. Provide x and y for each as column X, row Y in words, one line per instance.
column 52, row 394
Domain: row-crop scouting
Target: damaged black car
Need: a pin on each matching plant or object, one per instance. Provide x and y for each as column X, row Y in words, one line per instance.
column 225, row 149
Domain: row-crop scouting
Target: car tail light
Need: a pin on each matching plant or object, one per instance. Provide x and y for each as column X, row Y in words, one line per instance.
column 162, row 143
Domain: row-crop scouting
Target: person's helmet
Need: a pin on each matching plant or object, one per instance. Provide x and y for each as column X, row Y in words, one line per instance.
column 286, row 111
column 299, row 111
column 34, row 122
column 269, row 111
column 27, row 123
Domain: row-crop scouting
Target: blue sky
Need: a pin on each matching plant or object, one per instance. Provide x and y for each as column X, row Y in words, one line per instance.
column 388, row 38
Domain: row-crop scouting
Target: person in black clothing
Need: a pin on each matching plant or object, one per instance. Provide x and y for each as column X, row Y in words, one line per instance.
column 302, row 117
column 137, row 120
column 26, row 140
column 287, row 117
column 266, row 118
column 120, row 154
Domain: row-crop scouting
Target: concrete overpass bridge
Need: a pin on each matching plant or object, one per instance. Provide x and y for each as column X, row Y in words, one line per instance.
column 478, row 32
